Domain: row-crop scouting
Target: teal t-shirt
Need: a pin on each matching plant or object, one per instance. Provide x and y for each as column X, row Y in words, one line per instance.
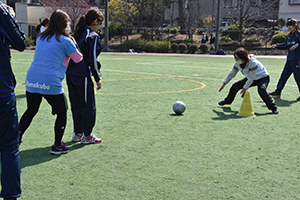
column 49, row 65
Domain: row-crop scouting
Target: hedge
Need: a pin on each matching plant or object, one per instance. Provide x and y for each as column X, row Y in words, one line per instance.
column 149, row 46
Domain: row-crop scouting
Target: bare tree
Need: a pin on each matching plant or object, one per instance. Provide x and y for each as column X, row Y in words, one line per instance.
column 244, row 13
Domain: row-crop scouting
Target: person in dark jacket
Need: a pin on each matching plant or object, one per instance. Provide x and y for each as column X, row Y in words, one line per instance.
column 79, row 81
column 292, row 43
column 10, row 34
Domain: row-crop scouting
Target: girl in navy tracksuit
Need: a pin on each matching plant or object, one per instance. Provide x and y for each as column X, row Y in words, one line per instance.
column 292, row 43
column 80, row 84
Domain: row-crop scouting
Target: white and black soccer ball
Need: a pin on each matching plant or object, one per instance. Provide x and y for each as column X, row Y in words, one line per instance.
column 179, row 107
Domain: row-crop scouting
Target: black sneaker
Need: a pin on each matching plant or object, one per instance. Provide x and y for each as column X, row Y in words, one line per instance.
column 298, row 99
column 59, row 149
column 274, row 94
column 275, row 111
column 222, row 103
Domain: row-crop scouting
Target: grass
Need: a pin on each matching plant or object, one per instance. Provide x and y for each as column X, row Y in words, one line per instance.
column 148, row 152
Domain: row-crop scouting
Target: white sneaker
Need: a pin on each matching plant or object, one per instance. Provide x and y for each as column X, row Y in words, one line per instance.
column 77, row 137
column 91, row 139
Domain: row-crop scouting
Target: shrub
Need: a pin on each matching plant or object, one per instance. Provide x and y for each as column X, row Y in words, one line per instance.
column 224, row 32
column 225, row 39
column 262, row 31
column 29, row 41
column 233, row 31
column 279, row 37
column 181, row 47
column 193, row 48
column 113, row 29
column 174, row 47
column 199, row 31
column 174, row 30
column 190, row 41
column 250, row 31
column 159, row 46
column 133, row 44
column 250, row 40
column 166, row 30
column 203, row 48
column 149, row 46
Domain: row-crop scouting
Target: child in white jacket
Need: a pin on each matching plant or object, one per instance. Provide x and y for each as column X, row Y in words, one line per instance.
column 255, row 75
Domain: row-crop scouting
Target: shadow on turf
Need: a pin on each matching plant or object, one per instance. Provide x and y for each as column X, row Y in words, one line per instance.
column 284, row 103
column 20, row 96
column 176, row 115
column 36, row 156
column 232, row 114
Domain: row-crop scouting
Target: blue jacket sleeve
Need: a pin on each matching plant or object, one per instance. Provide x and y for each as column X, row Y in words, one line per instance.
column 94, row 49
column 10, row 29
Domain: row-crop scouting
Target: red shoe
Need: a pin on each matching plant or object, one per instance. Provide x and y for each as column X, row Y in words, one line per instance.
column 91, row 139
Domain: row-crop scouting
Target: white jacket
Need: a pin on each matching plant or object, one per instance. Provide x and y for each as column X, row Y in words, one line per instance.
column 253, row 70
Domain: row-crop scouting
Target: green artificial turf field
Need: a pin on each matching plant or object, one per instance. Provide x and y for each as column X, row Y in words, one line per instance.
column 148, row 152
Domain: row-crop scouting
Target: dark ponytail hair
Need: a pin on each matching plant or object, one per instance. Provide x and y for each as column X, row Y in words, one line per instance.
column 43, row 23
column 87, row 20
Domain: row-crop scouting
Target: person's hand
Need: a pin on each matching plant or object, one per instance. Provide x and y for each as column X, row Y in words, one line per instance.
column 243, row 92
column 294, row 47
column 223, row 85
column 274, row 45
column 10, row 10
column 99, row 85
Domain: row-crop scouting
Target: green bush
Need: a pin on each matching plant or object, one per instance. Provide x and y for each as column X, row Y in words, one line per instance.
column 113, row 29
column 199, row 31
column 203, row 48
column 262, row 31
column 279, row 37
column 225, row 39
column 174, row 30
column 250, row 31
column 193, row 48
column 250, row 40
column 182, row 47
column 224, row 32
column 174, row 47
column 233, row 31
column 149, row 46
column 190, row 41
column 166, row 30
column 29, row 41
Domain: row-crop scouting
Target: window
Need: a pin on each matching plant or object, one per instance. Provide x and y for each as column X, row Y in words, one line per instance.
column 230, row 3
column 294, row 2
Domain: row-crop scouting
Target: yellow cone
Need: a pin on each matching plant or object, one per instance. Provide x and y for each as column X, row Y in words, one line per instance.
column 246, row 107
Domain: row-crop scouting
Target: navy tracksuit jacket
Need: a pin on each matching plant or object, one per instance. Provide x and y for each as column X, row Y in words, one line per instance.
column 10, row 34
column 80, row 84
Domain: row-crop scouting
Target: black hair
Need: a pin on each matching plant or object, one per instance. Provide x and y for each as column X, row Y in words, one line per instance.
column 242, row 54
column 87, row 20
column 59, row 21
column 292, row 22
column 43, row 23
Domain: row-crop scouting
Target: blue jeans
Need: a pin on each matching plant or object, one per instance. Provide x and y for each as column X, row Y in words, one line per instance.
column 290, row 67
column 9, row 148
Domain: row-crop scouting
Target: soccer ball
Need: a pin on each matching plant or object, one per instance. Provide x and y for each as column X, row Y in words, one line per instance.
column 179, row 107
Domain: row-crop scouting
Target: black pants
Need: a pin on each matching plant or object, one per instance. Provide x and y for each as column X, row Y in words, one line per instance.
column 261, row 84
column 59, row 107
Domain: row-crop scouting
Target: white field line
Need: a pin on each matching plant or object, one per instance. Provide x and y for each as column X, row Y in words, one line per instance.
column 176, row 76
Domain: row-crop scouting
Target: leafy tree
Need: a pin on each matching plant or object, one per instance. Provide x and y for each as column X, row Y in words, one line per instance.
column 122, row 11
